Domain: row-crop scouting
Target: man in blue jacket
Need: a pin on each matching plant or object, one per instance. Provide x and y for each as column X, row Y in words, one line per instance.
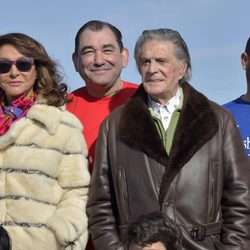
column 240, row 107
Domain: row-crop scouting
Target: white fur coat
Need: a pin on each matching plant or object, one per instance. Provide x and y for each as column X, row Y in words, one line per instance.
column 44, row 181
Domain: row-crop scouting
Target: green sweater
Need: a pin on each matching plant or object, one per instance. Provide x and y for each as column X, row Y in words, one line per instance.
column 167, row 137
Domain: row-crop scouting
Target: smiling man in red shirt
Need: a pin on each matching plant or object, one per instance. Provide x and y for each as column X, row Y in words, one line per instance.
column 99, row 58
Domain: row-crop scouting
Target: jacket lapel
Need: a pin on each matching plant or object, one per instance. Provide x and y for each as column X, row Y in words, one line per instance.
column 197, row 124
column 137, row 128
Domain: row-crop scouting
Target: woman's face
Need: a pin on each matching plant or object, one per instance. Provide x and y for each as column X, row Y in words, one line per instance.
column 20, row 78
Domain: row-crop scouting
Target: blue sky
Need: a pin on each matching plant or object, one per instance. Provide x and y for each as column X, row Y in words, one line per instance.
column 215, row 31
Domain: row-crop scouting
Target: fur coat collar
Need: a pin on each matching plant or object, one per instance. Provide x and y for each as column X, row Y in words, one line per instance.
column 197, row 125
column 48, row 116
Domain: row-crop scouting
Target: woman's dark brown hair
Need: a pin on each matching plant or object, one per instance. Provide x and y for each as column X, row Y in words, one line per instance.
column 48, row 84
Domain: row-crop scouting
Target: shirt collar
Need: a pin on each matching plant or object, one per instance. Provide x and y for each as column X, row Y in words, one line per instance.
column 170, row 106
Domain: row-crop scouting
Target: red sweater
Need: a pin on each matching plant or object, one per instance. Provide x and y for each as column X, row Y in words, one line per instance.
column 91, row 111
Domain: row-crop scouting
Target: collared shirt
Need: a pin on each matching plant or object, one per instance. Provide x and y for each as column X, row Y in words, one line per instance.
column 165, row 112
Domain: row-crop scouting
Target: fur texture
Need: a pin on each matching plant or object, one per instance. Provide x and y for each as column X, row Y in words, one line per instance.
column 44, row 180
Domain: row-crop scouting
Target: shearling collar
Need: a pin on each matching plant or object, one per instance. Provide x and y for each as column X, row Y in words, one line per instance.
column 197, row 124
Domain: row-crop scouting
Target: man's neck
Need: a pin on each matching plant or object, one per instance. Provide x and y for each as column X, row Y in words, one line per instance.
column 100, row 91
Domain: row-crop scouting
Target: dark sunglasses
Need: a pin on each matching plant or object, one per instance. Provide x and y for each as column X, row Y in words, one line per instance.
column 22, row 64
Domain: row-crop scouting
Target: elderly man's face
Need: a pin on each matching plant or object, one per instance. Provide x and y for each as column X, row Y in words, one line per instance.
column 155, row 246
column 161, row 70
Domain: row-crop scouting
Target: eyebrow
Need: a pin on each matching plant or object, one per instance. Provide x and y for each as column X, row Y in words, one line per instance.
column 108, row 46
column 103, row 47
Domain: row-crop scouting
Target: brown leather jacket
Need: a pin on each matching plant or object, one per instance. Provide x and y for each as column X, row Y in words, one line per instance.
column 203, row 184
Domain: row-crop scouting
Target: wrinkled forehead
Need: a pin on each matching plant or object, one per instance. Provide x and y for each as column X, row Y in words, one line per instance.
column 97, row 39
column 11, row 52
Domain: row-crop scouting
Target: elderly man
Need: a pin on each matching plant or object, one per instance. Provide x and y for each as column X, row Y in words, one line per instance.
column 170, row 149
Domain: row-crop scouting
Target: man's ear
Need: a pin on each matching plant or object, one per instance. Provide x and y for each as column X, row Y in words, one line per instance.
column 75, row 61
column 244, row 60
column 125, row 56
column 183, row 69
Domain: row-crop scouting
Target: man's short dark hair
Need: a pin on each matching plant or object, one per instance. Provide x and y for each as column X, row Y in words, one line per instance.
column 154, row 227
column 96, row 25
column 247, row 49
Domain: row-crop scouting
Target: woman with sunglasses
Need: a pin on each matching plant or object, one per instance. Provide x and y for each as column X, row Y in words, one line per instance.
column 43, row 168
